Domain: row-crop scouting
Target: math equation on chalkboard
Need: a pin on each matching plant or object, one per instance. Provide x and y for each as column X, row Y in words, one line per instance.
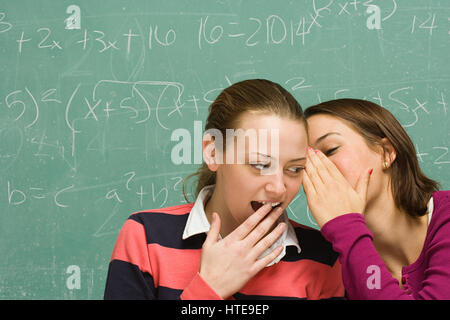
column 103, row 106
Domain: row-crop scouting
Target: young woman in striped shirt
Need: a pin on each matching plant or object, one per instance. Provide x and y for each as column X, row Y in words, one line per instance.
column 235, row 241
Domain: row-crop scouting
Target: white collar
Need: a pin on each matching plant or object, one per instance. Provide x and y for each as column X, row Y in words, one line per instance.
column 430, row 209
column 198, row 223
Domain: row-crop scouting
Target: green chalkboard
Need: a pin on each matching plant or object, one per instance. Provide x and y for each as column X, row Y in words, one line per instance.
column 91, row 91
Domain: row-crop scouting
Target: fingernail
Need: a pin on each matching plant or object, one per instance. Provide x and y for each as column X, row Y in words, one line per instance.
column 370, row 172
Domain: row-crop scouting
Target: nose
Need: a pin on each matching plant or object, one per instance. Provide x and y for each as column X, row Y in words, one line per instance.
column 275, row 186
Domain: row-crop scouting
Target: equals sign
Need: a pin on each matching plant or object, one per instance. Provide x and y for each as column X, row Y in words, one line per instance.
column 235, row 35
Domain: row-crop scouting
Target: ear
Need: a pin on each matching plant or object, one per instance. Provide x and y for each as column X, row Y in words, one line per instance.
column 209, row 152
column 389, row 153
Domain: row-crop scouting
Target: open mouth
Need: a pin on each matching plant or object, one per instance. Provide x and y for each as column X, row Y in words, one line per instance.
column 258, row 204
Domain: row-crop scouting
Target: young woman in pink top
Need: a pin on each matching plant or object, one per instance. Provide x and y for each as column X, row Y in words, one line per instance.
column 365, row 189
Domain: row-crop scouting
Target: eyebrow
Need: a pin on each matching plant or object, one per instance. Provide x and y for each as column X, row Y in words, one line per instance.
column 325, row 136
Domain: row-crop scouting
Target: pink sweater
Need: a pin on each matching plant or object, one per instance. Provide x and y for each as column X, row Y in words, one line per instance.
column 364, row 273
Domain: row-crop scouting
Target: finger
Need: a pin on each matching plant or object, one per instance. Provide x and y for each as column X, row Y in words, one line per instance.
column 331, row 168
column 313, row 177
column 363, row 184
column 312, row 168
column 250, row 223
column 308, row 186
column 316, row 166
column 214, row 231
column 268, row 240
column 263, row 227
column 264, row 261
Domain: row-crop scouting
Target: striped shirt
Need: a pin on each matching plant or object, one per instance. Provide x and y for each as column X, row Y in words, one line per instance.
column 151, row 260
column 197, row 222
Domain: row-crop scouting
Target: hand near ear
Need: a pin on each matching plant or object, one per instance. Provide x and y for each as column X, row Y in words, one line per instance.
column 328, row 193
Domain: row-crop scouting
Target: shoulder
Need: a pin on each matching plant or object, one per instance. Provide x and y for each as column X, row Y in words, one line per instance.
column 164, row 226
column 174, row 213
column 441, row 199
column 180, row 209
column 440, row 218
column 313, row 245
column 437, row 240
column 441, row 208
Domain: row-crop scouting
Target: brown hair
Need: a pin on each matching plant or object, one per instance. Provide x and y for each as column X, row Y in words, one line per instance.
column 411, row 189
column 246, row 96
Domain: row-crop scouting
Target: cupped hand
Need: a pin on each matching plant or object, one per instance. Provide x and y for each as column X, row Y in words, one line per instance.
column 329, row 194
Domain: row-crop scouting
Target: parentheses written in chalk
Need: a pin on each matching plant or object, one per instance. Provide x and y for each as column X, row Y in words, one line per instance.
column 144, row 100
column 35, row 105
column 133, row 84
column 392, row 12
column 167, row 84
column 69, row 103
column 9, row 103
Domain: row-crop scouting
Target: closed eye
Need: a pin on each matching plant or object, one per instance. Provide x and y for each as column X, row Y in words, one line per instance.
column 330, row 152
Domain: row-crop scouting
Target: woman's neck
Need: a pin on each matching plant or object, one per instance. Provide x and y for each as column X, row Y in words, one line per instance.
column 398, row 237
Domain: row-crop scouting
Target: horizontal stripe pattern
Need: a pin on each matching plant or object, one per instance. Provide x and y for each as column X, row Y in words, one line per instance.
column 159, row 264
column 126, row 281
column 313, row 245
column 171, row 265
column 131, row 245
column 167, row 230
